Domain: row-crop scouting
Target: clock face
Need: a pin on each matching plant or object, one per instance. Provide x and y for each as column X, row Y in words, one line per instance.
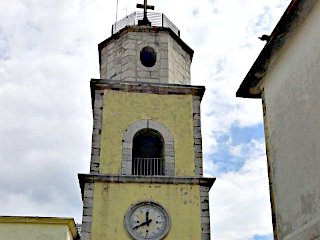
column 147, row 220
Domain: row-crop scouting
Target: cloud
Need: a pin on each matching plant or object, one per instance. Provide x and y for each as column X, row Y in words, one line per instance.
column 238, row 199
column 48, row 53
column 230, row 154
column 226, row 44
column 45, row 101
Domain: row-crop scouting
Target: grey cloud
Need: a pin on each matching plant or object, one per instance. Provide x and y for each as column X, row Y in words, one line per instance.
column 4, row 46
column 46, row 120
column 195, row 12
column 263, row 21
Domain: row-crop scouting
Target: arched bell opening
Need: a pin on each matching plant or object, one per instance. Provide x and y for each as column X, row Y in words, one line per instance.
column 148, row 153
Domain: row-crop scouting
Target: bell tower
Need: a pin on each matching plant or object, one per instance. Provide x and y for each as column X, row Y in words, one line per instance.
column 146, row 179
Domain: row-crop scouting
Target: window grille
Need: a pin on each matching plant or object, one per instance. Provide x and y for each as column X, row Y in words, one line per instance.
column 147, row 166
column 147, row 153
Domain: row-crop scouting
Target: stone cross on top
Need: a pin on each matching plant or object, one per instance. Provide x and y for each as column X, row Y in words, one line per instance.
column 145, row 6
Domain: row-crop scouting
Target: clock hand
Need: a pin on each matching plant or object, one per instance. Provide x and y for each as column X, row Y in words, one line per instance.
column 142, row 224
column 147, row 218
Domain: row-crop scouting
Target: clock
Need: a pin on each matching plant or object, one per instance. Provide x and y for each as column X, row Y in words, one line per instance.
column 147, row 220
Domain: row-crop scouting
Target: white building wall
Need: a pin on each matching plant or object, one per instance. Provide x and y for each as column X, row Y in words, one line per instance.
column 292, row 122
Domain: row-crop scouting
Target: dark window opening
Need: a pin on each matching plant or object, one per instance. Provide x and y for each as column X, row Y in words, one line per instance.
column 147, row 153
column 148, row 56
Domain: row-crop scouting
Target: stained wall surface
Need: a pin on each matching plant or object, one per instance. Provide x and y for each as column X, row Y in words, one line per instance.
column 121, row 109
column 111, row 201
column 292, row 125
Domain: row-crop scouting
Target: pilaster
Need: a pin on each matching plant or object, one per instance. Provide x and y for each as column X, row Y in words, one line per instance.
column 87, row 195
column 197, row 138
column 205, row 213
column 96, row 133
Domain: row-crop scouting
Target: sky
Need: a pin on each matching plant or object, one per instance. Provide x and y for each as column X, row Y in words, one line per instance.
column 48, row 54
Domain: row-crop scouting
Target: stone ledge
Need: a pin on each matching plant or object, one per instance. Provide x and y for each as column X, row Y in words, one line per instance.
column 91, row 178
column 145, row 87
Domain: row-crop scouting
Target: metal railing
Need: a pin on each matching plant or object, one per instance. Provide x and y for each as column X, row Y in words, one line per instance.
column 156, row 19
column 147, row 166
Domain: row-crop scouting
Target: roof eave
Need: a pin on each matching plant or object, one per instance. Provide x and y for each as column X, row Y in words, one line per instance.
column 294, row 15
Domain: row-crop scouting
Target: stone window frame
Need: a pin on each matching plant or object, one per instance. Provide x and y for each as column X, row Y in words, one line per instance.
column 127, row 143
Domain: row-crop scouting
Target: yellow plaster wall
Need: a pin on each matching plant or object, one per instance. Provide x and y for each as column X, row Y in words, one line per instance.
column 111, row 201
column 34, row 231
column 121, row 109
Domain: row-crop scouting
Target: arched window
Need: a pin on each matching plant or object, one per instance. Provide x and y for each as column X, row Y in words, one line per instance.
column 147, row 139
column 147, row 153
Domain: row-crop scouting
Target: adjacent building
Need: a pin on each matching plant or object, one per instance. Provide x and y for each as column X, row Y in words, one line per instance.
column 286, row 76
column 37, row 228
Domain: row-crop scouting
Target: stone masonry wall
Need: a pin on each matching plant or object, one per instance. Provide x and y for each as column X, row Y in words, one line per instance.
column 87, row 211
column 197, row 138
column 205, row 213
column 120, row 59
column 96, row 133
column 179, row 64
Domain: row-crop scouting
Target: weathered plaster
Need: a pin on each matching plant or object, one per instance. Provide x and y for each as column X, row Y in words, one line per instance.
column 181, row 196
column 270, row 171
column 291, row 100
column 121, row 109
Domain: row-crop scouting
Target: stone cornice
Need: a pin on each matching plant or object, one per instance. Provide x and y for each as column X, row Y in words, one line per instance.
column 110, row 178
column 145, row 87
